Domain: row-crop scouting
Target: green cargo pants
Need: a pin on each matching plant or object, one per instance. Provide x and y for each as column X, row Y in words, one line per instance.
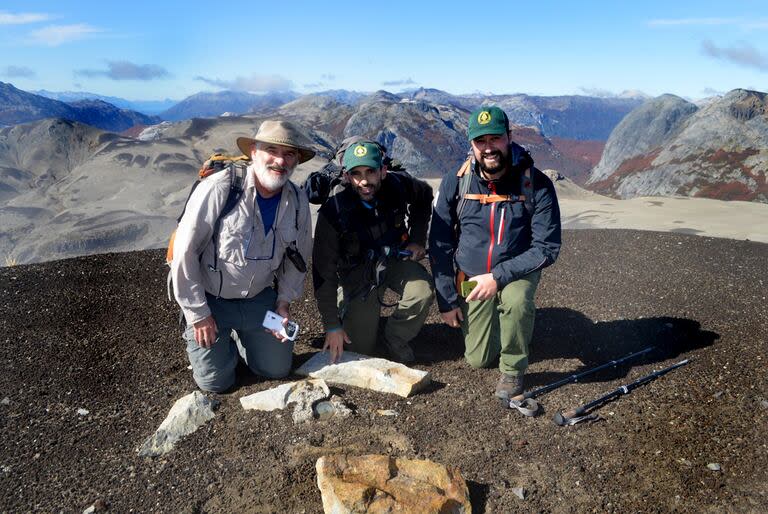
column 408, row 279
column 501, row 326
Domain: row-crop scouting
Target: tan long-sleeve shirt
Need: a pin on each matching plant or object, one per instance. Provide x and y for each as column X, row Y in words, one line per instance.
column 248, row 261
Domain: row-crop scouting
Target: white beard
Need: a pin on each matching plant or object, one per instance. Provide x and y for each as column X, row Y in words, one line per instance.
column 269, row 180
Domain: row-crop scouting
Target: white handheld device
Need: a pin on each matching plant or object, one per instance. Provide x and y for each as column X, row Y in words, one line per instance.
column 273, row 321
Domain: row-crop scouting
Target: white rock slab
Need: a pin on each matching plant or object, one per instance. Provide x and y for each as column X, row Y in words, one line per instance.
column 372, row 373
column 304, row 393
column 186, row 415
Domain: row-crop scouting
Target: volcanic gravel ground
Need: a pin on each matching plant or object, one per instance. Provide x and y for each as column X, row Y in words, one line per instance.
column 98, row 333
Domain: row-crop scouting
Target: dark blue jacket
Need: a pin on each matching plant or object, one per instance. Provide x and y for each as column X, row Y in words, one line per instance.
column 502, row 238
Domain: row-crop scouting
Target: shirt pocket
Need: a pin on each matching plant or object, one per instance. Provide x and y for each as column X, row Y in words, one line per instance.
column 234, row 237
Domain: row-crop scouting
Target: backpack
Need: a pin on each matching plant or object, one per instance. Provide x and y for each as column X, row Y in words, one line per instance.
column 237, row 167
column 319, row 184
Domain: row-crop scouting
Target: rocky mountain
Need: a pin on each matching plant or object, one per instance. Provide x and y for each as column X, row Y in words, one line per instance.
column 17, row 106
column 205, row 105
column 669, row 146
column 430, row 140
column 69, row 189
column 98, row 113
column 342, row 96
column 570, row 157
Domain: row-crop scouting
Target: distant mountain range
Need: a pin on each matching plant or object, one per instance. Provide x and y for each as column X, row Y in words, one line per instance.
column 569, row 117
column 669, row 146
column 208, row 105
column 149, row 107
column 17, row 106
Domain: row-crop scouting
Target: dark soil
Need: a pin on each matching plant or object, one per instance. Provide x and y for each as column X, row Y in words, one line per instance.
column 99, row 333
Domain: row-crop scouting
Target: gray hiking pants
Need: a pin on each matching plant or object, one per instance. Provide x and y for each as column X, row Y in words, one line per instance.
column 239, row 334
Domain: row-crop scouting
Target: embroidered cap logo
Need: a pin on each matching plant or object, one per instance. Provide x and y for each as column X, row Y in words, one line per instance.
column 484, row 118
column 360, row 151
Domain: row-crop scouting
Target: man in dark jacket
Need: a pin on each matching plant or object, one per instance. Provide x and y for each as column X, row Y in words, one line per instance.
column 493, row 230
column 370, row 235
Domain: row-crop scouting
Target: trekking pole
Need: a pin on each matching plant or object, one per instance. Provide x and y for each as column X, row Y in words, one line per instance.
column 579, row 414
column 526, row 404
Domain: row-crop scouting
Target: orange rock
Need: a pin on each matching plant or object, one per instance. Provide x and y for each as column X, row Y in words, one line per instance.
column 384, row 484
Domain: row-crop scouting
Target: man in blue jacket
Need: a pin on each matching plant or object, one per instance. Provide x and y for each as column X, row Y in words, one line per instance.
column 495, row 226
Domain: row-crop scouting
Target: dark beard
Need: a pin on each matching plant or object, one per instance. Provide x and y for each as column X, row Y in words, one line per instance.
column 500, row 167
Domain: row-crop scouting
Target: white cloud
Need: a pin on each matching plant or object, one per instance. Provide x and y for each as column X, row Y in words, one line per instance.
column 598, row 92
column 743, row 55
column 7, row 18
column 125, row 70
column 399, row 82
column 17, row 72
column 254, row 83
column 55, row 35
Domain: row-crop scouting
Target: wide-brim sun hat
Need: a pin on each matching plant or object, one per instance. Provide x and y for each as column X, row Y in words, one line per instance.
column 279, row 133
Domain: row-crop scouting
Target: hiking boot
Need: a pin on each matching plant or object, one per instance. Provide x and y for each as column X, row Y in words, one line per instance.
column 400, row 352
column 509, row 386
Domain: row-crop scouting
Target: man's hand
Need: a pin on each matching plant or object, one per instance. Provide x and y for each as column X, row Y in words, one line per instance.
column 282, row 309
column 486, row 287
column 453, row 318
column 334, row 341
column 417, row 251
column 205, row 332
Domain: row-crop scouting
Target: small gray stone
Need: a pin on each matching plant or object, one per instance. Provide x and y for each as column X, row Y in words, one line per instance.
column 333, row 408
column 83, row 412
column 97, row 506
column 324, row 410
column 5, row 401
column 713, row 466
column 764, row 404
column 186, row 415
column 519, row 492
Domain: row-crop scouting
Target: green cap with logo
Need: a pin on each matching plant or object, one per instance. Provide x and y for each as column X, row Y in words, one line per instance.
column 487, row 120
column 363, row 154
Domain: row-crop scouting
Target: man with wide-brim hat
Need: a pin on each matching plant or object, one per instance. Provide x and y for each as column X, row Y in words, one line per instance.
column 279, row 133
column 237, row 257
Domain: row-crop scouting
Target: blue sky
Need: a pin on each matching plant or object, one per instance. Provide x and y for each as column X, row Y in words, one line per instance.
column 170, row 49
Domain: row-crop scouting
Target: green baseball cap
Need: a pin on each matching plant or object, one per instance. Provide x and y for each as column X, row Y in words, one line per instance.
column 363, row 154
column 487, row 120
